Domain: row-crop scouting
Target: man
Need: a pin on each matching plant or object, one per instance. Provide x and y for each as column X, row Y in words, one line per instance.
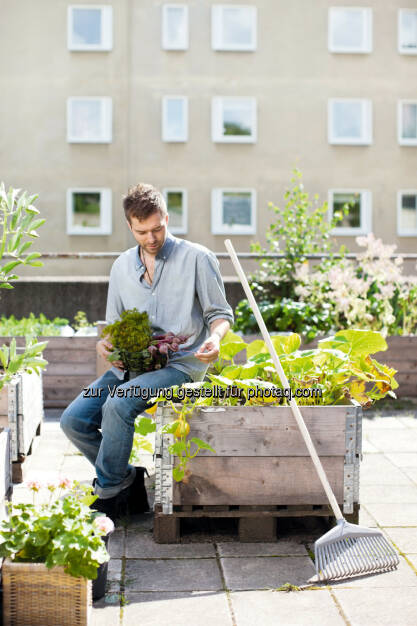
column 179, row 285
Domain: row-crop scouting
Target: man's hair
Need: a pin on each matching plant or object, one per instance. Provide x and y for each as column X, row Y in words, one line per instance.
column 142, row 201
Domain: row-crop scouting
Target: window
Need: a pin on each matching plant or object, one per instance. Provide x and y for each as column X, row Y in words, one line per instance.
column 89, row 120
column 174, row 27
column 407, row 31
column 89, row 211
column 358, row 220
column 177, row 206
column 234, row 120
column 174, row 118
column 233, row 28
column 407, row 213
column 233, row 212
column 350, row 122
column 407, row 122
column 90, row 27
column 350, row 30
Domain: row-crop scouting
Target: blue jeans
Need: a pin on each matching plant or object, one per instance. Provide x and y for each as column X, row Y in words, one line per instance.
column 109, row 450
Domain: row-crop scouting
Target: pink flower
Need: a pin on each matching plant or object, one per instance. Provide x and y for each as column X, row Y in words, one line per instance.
column 104, row 524
column 65, row 483
column 51, row 486
column 34, row 485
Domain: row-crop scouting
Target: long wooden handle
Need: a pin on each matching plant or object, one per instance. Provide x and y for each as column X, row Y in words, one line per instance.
column 294, row 407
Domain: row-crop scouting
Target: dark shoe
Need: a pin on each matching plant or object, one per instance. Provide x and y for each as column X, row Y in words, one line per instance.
column 114, row 507
column 137, row 497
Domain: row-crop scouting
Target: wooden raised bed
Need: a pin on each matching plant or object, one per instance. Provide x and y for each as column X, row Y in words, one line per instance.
column 401, row 355
column 261, row 469
column 21, row 410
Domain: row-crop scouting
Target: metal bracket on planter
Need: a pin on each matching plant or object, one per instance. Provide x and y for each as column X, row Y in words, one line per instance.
column 12, row 409
column 163, row 462
column 351, row 467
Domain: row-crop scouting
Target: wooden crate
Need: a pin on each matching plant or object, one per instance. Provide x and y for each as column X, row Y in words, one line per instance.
column 261, row 461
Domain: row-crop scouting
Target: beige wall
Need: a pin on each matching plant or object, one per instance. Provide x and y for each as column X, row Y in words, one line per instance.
column 291, row 74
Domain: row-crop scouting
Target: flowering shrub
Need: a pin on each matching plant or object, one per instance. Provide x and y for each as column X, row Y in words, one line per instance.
column 64, row 531
column 371, row 293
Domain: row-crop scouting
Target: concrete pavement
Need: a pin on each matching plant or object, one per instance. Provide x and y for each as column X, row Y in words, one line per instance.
column 215, row 580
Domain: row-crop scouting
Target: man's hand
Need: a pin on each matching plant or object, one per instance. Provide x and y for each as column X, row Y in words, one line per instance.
column 104, row 348
column 209, row 350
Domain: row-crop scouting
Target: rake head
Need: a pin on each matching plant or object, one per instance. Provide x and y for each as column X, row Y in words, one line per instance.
column 350, row 550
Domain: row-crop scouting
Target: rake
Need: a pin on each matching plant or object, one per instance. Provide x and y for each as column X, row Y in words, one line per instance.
column 347, row 549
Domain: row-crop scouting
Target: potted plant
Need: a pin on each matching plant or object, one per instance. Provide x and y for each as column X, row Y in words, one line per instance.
column 52, row 553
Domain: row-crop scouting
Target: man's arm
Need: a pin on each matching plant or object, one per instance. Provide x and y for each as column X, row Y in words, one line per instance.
column 209, row 350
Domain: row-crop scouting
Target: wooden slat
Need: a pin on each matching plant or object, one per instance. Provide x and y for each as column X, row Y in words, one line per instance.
column 258, row 480
column 269, row 431
column 87, row 369
column 70, row 356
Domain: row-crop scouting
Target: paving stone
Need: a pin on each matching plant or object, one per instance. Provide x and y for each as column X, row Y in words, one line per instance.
column 368, row 447
column 378, row 423
column 302, row 608
column 394, row 515
column 279, row 548
column 140, row 545
column 411, row 472
column 176, row 609
column 266, row 572
column 142, row 522
column 409, row 422
column 116, row 543
column 389, row 494
column 377, row 608
column 404, row 538
column 403, row 576
column 376, row 469
column 393, row 440
column 172, row 575
column 413, row 560
column 114, row 571
column 403, row 459
column 105, row 614
column 365, row 518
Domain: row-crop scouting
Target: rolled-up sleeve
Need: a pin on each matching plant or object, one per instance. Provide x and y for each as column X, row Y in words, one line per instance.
column 114, row 306
column 210, row 290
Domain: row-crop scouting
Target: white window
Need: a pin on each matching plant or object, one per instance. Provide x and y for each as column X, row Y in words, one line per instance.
column 175, row 27
column 233, row 27
column 89, row 211
column 234, row 120
column 90, row 27
column 350, row 121
column 177, row 205
column 89, row 120
column 233, row 212
column 407, row 213
column 350, row 30
column 407, row 122
column 174, row 118
column 407, row 31
column 359, row 218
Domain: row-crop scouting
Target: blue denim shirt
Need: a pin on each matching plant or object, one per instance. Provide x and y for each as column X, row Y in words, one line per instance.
column 186, row 295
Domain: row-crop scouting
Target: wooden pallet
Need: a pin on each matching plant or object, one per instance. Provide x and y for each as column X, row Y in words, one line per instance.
column 255, row 523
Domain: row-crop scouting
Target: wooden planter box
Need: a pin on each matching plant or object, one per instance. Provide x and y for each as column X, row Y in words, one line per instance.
column 33, row 595
column 401, row 355
column 261, row 469
column 6, row 484
column 21, row 410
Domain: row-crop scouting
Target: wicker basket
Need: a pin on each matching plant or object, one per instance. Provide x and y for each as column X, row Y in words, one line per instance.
column 34, row 595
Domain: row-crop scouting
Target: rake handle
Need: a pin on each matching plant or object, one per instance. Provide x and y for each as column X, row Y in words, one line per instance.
column 284, row 381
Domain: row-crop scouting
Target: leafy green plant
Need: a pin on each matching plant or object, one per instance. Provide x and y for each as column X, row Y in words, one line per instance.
column 80, row 320
column 63, row 531
column 19, row 221
column 31, row 326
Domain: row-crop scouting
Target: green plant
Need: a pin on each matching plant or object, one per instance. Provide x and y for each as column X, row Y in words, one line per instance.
column 80, row 320
column 31, row 326
column 19, row 221
column 63, row 531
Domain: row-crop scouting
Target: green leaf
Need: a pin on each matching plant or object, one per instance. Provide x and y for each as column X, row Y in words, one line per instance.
column 202, row 444
column 255, row 347
column 363, row 342
column 178, row 473
column 177, row 447
column 6, row 269
column 144, row 426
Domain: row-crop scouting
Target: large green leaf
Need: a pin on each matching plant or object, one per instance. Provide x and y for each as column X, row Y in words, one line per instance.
column 230, row 345
column 363, row 342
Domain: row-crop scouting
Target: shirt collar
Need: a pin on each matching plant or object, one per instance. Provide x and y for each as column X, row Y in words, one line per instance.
column 164, row 252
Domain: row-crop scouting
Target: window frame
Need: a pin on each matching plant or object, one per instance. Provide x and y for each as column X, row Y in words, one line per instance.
column 105, row 227
column 165, row 137
column 217, row 225
column 164, row 32
column 217, row 40
column 365, row 213
column 217, row 110
column 400, row 194
column 106, row 31
column 367, row 43
column 183, row 229
column 366, row 118
column 402, row 50
column 402, row 140
column 107, row 119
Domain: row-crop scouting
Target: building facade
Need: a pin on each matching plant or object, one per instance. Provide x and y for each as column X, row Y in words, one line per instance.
column 215, row 104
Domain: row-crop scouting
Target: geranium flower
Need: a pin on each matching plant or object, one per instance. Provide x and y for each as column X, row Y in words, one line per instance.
column 104, row 524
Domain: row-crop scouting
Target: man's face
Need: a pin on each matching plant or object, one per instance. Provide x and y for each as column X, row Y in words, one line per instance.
column 150, row 233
